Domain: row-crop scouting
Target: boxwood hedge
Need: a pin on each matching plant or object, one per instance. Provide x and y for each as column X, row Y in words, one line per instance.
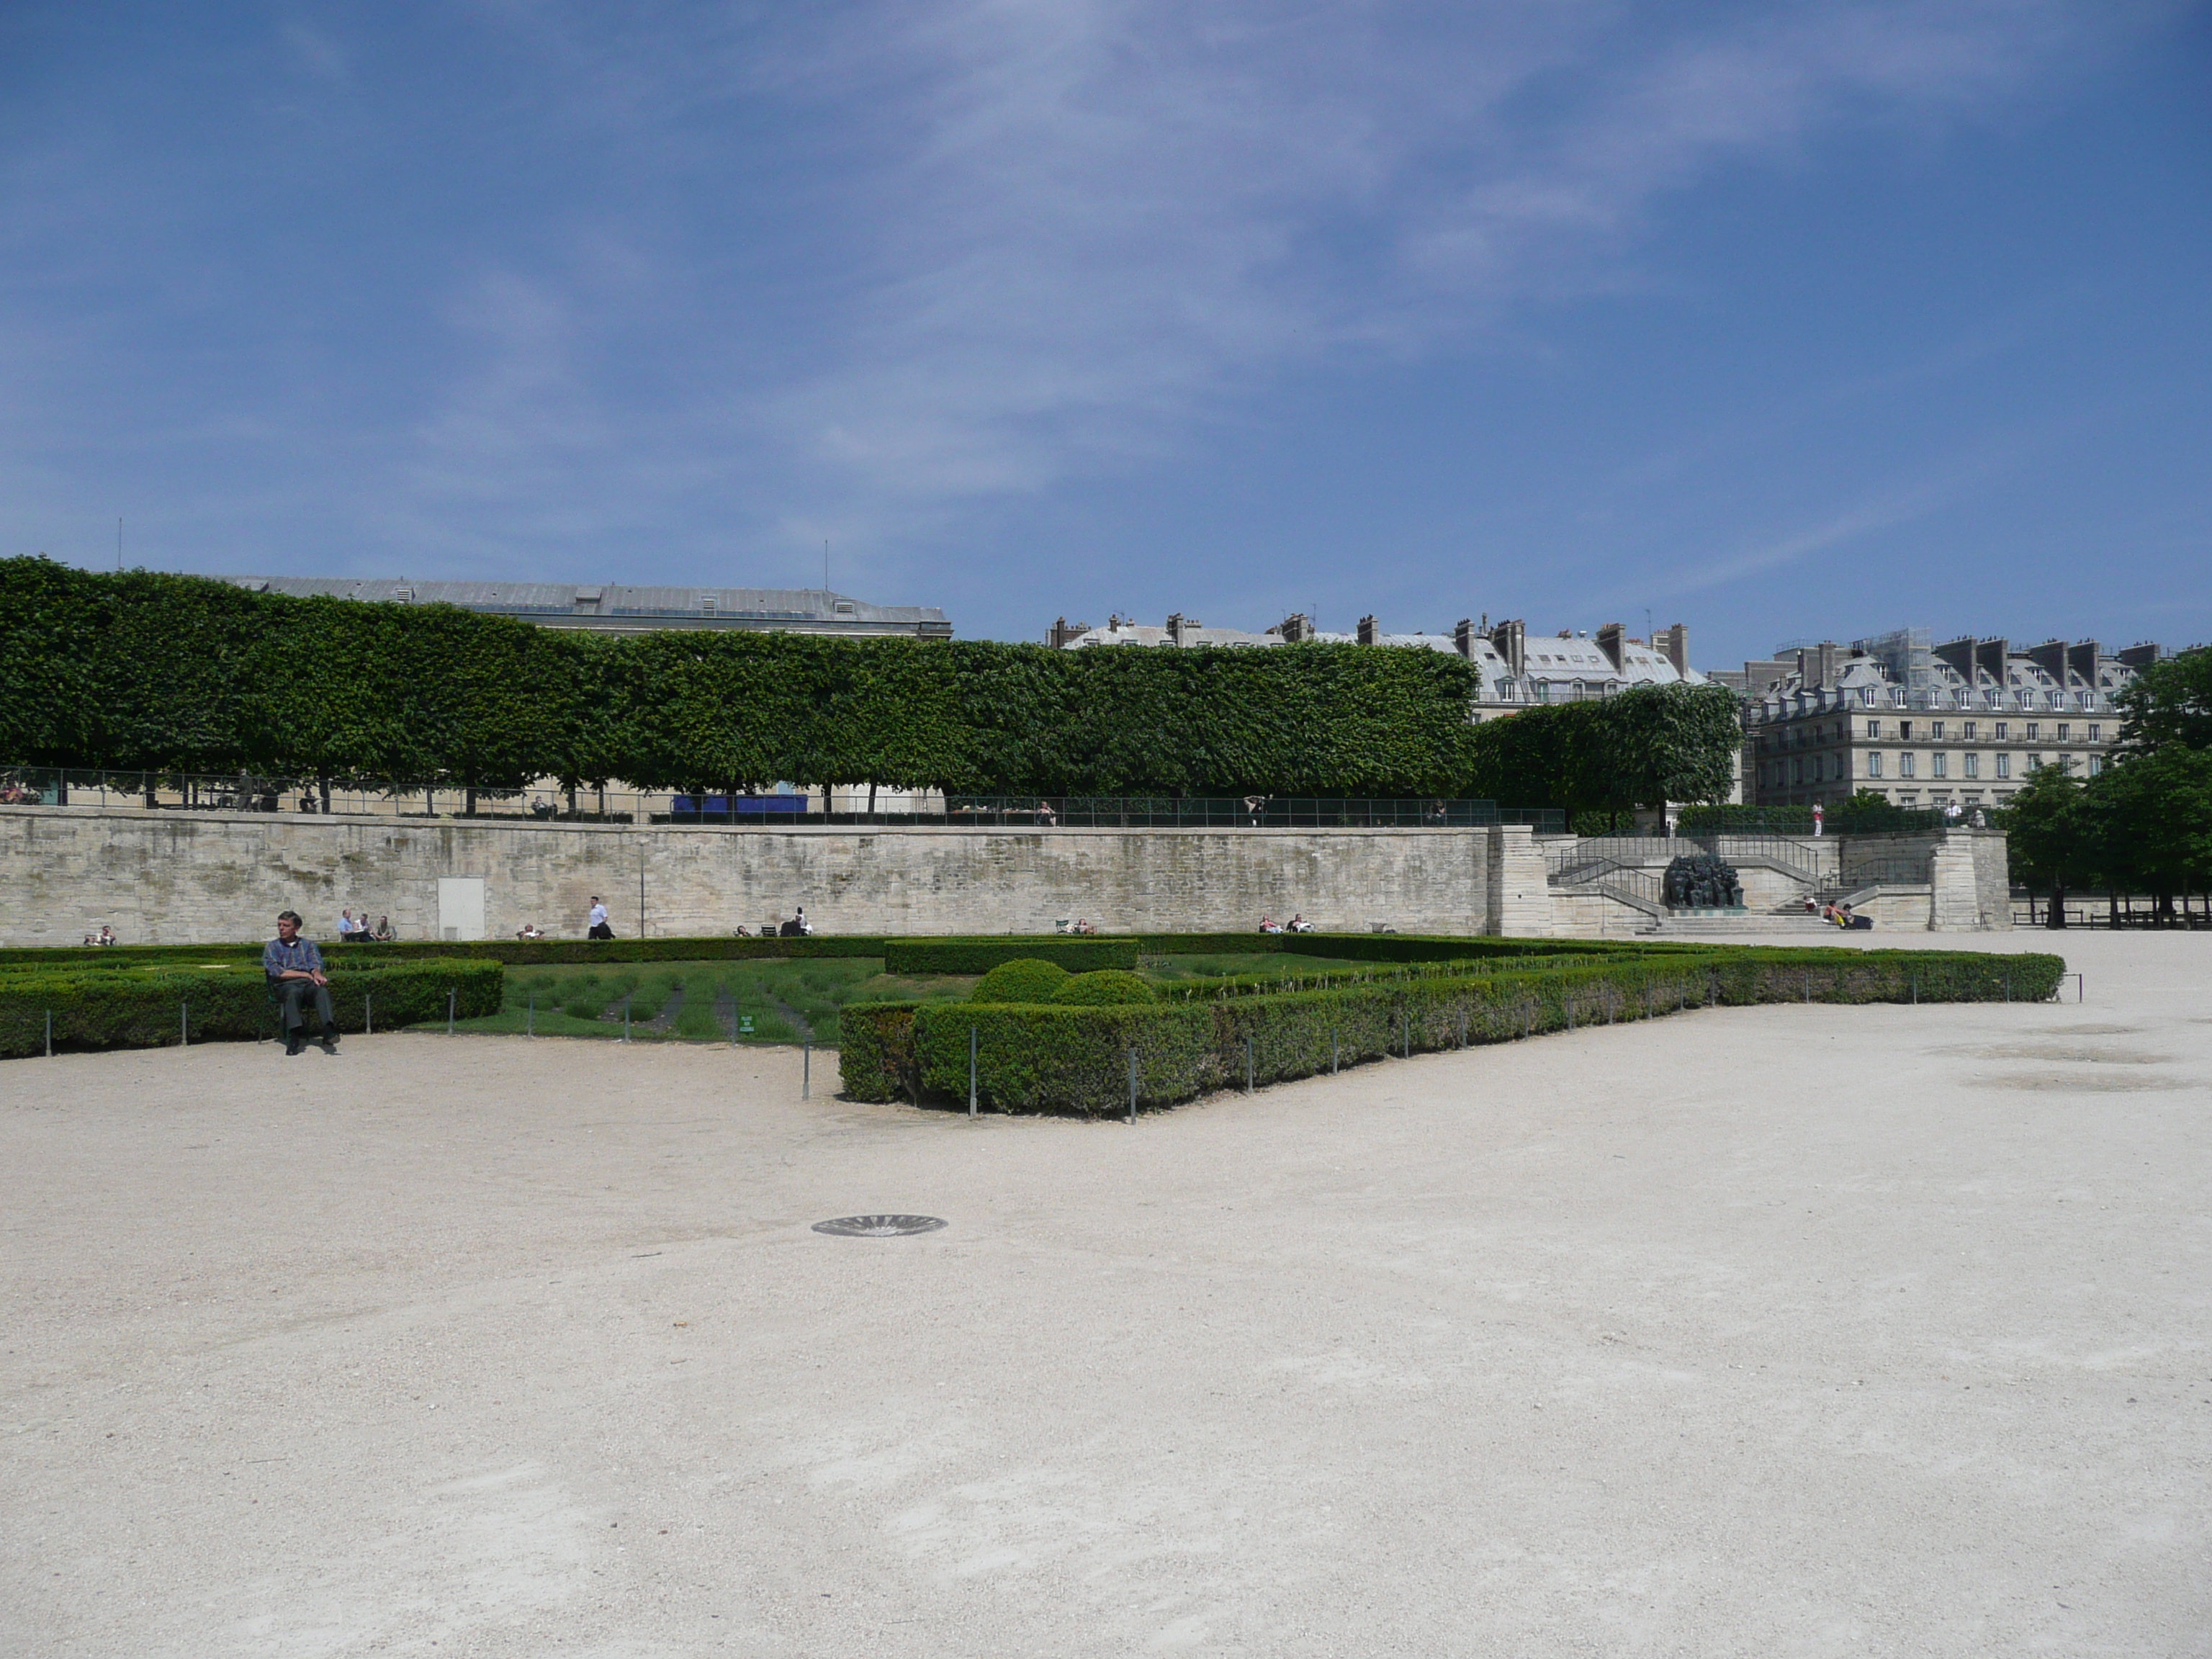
column 124, row 1007
column 1060, row 1058
column 980, row 955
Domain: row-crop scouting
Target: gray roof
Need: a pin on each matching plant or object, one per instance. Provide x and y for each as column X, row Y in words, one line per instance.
column 607, row 603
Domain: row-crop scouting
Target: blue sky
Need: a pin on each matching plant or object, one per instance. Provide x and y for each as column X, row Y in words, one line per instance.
column 1783, row 320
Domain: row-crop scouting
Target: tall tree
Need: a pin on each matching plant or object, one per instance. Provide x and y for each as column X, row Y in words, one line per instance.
column 2169, row 703
column 2051, row 839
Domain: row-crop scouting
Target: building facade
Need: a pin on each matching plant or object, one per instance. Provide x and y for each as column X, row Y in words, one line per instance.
column 1927, row 725
column 612, row 608
column 1514, row 669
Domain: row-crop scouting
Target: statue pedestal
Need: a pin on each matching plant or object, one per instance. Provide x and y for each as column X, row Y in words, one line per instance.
column 1708, row 910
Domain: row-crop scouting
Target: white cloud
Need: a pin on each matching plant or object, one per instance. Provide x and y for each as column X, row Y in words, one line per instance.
column 1090, row 223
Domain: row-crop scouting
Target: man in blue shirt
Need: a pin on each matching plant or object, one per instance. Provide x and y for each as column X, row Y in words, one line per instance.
column 295, row 967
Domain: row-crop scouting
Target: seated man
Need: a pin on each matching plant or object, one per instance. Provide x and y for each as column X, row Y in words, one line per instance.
column 1268, row 925
column 384, row 933
column 294, row 968
column 1300, row 925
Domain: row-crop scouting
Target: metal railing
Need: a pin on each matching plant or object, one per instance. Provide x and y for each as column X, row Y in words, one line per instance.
column 137, row 791
column 1628, row 881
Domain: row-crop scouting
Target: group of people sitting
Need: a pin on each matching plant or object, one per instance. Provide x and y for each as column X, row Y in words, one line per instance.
column 1841, row 915
column 105, row 936
column 359, row 930
column 1297, row 923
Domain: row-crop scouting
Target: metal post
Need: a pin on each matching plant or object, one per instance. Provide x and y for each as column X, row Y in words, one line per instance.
column 805, row 1071
column 971, row 1071
column 1247, row 1062
column 184, row 1024
column 453, row 999
column 1809, row 985
column 1133, row 1085
column 50, row 1033
column 530, row 1023
column 626, row 996
column 1332, row 1051
column 1916, row 987
column 368, row 1016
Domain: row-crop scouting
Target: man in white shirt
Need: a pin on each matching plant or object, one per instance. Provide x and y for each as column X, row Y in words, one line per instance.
column 599, row 927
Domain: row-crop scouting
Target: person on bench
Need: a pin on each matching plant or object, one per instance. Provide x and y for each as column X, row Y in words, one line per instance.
column 295, row 968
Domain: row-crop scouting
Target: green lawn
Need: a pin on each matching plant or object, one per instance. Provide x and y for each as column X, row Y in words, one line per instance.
column 1168, row 970
column 770, row 1001
column 784, row 1001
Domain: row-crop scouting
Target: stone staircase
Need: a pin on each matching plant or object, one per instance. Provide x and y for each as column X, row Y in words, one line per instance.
column 1721, row 924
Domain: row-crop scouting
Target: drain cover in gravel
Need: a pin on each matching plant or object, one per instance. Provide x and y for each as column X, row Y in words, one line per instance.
column 879, row 1226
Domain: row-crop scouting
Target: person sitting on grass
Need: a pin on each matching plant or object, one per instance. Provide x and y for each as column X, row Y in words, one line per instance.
column 294, row 968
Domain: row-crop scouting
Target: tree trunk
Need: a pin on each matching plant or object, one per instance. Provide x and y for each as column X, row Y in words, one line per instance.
column 2056, row 915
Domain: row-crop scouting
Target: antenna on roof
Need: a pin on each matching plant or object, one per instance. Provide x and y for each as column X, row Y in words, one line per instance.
column 825, row 564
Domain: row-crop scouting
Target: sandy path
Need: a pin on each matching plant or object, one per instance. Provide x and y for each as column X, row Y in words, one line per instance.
column 1762, row 1332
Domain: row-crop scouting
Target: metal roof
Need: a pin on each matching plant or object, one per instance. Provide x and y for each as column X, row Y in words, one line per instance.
column 611, row 604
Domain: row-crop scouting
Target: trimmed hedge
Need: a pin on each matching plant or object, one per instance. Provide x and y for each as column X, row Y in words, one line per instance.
column 1108, row 988
column 1025, row 978
column 1443, row 947
column 1055, row 1057
column 980, row 955
column 876, row 1055
column 146, row 1008
column 1028, row 1062
column 516, row 953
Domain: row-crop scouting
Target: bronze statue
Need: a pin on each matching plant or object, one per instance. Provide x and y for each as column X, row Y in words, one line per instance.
column 1703, row 883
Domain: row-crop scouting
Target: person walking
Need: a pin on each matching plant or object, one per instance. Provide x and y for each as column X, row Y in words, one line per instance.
column 294, row 968
column 598, row 928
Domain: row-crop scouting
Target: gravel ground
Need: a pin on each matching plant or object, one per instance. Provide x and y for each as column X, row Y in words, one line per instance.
column 1778, row 1331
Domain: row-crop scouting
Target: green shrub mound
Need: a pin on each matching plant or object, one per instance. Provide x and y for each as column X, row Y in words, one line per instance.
column 153, row 1007
column 1066, row 1058
column 1025, row 978
column 1057, row 1059
column 980, row 955
column 1109, row 987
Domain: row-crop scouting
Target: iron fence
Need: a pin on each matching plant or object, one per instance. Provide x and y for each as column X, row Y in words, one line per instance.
column 243, row 792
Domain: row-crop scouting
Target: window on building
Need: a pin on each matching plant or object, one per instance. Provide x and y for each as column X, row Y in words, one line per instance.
column 2063, row 729
column 1798, row 771
column 2034, row 731
column 2096, row 765
column 1819, row 773
column 2034, row 761
column 1973, row 766
column 2004, row 764
column 1938, row 765
column 1904, row 730
column 2096, row 732
column 2003, row 729
column 1874, row 764
column 1936, row 730
column 1967, row 730
column 1905, row 765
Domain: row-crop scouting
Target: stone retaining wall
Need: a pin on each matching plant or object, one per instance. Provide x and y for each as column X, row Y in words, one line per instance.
column 169, row 876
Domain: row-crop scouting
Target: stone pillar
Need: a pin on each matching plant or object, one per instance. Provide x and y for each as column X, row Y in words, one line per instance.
column 1969, row 892
column 1519, row 889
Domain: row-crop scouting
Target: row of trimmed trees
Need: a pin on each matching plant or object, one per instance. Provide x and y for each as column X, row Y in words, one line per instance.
column 2143, row 824
column 146, row 671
